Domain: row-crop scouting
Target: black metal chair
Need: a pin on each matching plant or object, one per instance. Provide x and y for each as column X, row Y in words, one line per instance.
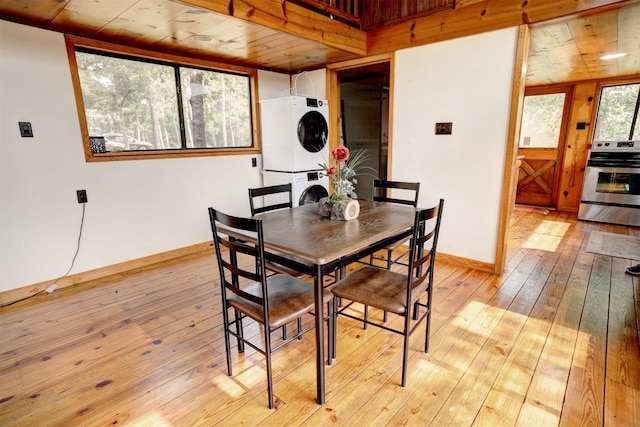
column 287, row 298
column 381, row 194
column 396, row 292
column 273, row 198
column 276, row 201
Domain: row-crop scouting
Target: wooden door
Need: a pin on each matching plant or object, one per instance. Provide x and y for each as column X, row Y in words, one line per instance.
column 541, row 144
column 536, row 177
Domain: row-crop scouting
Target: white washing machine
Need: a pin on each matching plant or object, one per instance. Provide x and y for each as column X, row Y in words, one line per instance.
column 295, row 133
column 307, row 187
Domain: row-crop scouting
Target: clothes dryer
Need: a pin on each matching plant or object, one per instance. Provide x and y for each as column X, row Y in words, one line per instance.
column 307, row 187
column 295, row 133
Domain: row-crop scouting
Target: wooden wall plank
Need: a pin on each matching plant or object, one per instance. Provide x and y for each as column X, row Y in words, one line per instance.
column 576, row 147
column 513, row 138
column 468, row 19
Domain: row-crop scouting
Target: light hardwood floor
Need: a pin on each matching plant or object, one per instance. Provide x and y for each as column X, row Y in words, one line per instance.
column 553, row 340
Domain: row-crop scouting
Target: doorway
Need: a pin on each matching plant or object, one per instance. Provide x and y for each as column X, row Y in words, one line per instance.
column 363, row 94
column 542, row 140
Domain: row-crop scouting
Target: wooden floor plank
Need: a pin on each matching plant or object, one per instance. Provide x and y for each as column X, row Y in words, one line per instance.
column 545, row 396
column 622, row 406
column 551, row 340
column 622, row 337
column 511, row 341
column 584, row 397
column 461, row 343
column 388, row 402
column 504, row 402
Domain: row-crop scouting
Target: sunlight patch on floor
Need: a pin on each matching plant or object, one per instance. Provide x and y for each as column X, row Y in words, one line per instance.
column 547, row 236
column 230, row 385
column 151, row 420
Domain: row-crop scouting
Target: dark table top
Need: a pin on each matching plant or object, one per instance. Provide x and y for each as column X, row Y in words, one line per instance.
column 302, row 233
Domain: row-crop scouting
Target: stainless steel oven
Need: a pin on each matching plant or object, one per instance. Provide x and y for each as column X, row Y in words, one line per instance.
column 611, row 187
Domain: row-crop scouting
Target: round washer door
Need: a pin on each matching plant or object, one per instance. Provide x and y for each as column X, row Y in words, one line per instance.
column 313, row 131
column 313, row 194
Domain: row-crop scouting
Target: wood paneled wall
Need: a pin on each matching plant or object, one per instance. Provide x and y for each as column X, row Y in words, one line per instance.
column 583, row 108
column 376, row 12
column 576, row 147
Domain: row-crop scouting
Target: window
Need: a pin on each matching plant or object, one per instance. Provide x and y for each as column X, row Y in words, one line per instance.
column 147, row 107
column 542, row 120
column 618, row 113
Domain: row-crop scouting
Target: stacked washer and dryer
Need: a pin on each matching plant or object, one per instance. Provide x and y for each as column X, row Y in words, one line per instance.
column 294, row 145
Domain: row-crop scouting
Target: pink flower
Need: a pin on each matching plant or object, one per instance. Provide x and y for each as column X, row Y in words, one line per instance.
column 341, row 153
column 331, row 171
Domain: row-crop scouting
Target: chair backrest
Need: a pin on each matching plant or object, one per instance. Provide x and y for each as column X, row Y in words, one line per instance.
column 422, row 255
column 230, row 267
column 381, row 187
column 268, row 191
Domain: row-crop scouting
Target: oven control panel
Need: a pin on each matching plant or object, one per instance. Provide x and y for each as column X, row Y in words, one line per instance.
column 615, row 146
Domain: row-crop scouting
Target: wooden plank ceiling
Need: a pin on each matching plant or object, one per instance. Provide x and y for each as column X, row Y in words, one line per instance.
column 568, row 38
column 570, row 49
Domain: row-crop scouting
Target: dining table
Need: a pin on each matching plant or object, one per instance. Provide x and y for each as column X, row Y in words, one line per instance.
column 301, row 239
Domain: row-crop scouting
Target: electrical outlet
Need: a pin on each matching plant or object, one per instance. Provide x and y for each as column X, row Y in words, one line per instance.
column 25, row 129
column 82, row 196
column 254, row 162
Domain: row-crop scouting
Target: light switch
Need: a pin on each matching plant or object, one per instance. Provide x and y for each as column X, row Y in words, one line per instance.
column 25, row 129
column 444, row 128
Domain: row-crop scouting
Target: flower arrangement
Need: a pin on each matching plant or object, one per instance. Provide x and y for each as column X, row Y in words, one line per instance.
column 342, row 175
column 343, row 203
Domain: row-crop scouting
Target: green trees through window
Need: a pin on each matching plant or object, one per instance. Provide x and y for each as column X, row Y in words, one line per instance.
column 541, row 120
column 151, row 105
column 618, row 113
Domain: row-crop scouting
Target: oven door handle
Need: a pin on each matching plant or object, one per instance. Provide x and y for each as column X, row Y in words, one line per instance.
column 613, row 164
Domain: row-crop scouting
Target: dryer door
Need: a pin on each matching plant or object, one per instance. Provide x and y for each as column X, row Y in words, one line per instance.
column 313, row 194
column 313, row 131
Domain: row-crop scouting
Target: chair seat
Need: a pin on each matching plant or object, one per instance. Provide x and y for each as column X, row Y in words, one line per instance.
column 289, row 298
column 379, row 288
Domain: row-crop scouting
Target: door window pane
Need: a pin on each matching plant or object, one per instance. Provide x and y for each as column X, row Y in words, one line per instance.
column 541, row 120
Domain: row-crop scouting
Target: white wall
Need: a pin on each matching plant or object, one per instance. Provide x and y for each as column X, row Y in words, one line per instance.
column 135, row 209
column 272, row 85
column 466, row 81
column 311, row 84
column 144, row 207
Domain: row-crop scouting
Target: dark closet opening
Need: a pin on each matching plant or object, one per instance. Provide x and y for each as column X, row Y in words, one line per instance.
column 364, row 113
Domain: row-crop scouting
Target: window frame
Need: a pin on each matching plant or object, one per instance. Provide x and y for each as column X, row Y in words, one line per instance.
column 566, row 107
column 171, row 59
column 598, row 97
